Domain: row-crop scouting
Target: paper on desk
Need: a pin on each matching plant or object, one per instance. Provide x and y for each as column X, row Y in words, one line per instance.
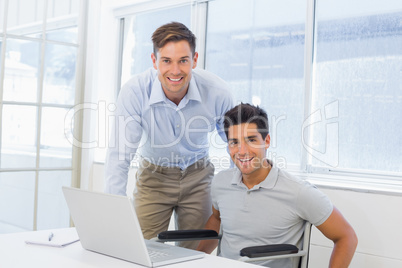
column 59, row 239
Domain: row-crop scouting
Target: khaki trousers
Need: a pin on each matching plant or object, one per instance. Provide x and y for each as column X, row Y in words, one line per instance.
column 161, row 190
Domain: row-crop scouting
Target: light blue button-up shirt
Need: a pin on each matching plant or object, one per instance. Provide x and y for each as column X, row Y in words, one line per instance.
column 162, row 132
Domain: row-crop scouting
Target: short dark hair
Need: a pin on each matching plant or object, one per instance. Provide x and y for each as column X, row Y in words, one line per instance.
column 172, row 32
column 247, row 113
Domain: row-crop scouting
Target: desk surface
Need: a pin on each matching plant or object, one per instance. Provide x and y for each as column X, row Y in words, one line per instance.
column 16, row 253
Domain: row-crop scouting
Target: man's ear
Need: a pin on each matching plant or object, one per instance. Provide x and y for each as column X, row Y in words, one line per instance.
column 153, row 57
column 195, row 59
column 267, row 141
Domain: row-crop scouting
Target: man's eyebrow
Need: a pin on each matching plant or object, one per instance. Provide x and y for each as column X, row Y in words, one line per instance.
column 248, row 137
column 167, row 58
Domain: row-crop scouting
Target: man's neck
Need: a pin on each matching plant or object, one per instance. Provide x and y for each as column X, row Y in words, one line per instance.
column 176, row 98
column 257, row 176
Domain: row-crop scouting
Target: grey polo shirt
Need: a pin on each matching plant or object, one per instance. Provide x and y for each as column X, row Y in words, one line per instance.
column 272, row 212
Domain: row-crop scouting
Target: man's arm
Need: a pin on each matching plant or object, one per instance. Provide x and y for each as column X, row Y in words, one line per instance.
column 123, row 144
column 124, row 140
column 344, row 237
column 213, row 223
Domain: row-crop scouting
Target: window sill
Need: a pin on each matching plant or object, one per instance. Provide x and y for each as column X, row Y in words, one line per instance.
column 353, row 182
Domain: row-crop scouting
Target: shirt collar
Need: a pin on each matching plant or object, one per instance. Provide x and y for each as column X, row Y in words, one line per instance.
column 193, row 92
column 158, row 95
column 271, row 179
column 237, row 178
column 268, row 183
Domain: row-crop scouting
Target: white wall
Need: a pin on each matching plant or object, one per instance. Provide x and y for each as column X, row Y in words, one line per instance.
column 376, row 219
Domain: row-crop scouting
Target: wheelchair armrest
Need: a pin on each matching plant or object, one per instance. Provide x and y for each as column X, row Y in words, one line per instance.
column 268, row 250
column 180, row 235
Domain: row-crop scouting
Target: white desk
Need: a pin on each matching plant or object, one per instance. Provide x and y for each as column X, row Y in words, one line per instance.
column 14, row 252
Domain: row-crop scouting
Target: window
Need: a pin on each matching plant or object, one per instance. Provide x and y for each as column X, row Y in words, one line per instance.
column 358, row 65
column 347, row 120
column 258, row 47
column 329, row 78
column 38, row 85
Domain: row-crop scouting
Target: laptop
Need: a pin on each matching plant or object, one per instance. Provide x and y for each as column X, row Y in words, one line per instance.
column 108, row 224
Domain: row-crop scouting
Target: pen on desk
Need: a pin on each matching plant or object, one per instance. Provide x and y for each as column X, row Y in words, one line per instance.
column 50, row 236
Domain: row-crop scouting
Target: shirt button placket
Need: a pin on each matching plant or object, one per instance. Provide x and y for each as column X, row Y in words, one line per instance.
column 246, row 198
column 177, row 125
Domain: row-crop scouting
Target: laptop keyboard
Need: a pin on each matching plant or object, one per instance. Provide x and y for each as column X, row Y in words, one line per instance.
column 154, row 255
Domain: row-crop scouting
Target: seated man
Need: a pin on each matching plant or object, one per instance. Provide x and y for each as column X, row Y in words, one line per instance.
column 257, row 203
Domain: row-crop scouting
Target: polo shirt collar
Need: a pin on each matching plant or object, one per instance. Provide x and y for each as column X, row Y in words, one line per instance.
column 157, row 94
column 268, row 183
column 270, row 180
column 237, row 177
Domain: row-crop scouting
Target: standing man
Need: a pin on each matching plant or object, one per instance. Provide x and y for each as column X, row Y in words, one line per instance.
column 166, row 113
column 256, row 203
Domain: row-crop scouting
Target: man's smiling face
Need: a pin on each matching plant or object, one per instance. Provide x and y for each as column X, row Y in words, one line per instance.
column 247, row 148
column 174, row 62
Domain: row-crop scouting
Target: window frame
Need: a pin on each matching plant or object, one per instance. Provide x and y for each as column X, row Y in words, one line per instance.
column 355, row 179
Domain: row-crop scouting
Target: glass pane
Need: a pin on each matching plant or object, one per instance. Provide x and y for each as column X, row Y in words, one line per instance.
column 55, row 149
column 52, row 208
column 2, row 16
column 358, row 63
column 25, row 17
column 66, row 34
column 21, row 70
column 16, row 201
column 61, row 15
column 137, row 40
column 18, row 136
column 59, row 78
column 263, row 59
